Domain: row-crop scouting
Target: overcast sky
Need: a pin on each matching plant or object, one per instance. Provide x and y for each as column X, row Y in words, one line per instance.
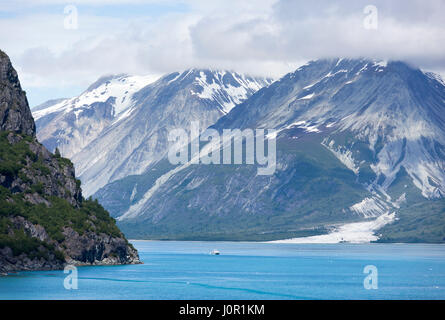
column 260, row 37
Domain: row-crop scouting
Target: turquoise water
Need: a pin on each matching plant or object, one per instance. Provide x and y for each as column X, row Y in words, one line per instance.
column 185, row 270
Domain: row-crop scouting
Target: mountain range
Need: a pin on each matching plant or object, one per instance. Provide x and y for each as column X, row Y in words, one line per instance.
column 359, row 141
column 118, row 127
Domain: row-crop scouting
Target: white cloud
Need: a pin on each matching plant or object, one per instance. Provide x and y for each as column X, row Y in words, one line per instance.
column 265, row 37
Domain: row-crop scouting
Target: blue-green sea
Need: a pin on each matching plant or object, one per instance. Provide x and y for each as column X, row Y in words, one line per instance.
column 186, row 270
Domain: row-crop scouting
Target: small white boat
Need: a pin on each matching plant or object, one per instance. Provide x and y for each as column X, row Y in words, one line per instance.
column 215, row 252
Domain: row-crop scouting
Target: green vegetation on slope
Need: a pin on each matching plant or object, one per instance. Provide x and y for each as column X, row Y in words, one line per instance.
column 13, row 158
column 91, row 216
column 19, row 163
column 421, row 222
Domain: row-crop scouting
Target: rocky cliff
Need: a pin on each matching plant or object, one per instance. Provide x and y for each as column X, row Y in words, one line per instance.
column 15, row 114
column 45, row 223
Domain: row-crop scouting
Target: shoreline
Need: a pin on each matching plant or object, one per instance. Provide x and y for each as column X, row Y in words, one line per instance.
column 286, row 243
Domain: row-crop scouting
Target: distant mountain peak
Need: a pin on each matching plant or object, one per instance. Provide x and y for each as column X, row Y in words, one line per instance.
column 121, row 87
column 227, row 87
column 105, row 79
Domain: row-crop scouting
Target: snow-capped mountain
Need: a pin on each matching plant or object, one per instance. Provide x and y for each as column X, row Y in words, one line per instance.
column 358, row 140
column 70, row 124
column 118, row 126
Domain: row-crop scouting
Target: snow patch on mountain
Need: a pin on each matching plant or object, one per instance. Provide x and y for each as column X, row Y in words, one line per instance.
column 342, row 154
column 307, row 97
column 228, row 93
column 357, row 232
column 435, row 76
column 400, row 201
column 121, row 87
column 370, row 207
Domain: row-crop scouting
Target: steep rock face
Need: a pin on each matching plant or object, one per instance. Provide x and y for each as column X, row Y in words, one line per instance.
column 54, row 175
column 44, row 220
column 14, row 110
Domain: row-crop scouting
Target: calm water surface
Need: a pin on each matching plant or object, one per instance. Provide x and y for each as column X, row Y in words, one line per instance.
column 186, row 270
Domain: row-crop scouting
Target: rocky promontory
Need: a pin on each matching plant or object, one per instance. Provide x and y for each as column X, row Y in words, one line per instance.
column 45, row 223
